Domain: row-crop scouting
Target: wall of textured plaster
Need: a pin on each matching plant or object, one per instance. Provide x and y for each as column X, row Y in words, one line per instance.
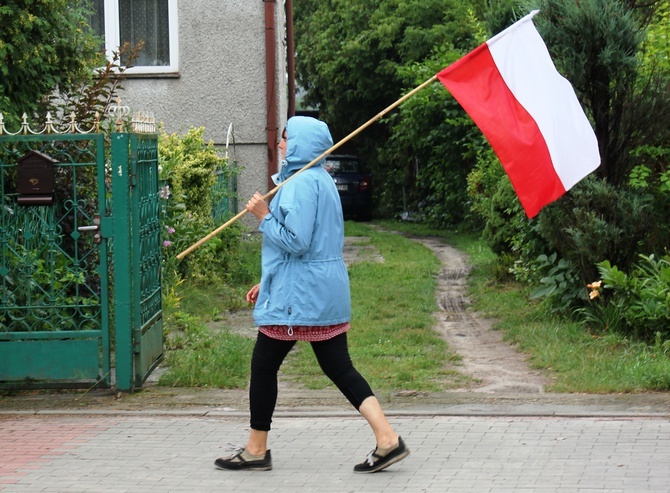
column 221, row 81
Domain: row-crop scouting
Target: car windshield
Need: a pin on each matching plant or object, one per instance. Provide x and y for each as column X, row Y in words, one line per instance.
column 342, row 166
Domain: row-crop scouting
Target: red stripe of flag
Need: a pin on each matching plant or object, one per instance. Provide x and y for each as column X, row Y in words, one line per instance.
column 476, row 83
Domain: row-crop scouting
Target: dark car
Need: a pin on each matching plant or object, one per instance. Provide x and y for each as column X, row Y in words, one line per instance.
column 353, row 184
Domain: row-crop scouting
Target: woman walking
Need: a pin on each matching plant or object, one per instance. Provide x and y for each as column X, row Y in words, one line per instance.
column 304, row 295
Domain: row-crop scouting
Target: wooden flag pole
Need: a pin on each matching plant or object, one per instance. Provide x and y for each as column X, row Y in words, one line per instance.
column 309, row 165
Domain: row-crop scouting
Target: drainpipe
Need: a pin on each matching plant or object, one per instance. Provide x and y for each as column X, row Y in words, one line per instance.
column 290, row 58
column 271, row 89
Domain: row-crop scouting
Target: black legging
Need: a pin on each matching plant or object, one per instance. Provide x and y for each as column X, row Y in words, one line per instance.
column 269, row 354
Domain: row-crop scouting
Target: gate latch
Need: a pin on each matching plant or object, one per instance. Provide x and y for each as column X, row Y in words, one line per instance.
column 93, row 227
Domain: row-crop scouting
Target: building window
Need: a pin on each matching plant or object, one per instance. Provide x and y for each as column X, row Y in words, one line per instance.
column 154, row 22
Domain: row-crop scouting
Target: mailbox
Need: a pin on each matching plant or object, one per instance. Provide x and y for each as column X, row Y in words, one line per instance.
column 35, row 179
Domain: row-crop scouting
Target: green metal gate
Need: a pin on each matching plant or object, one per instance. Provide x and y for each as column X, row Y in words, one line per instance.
column 54, row 285
column 57, row 328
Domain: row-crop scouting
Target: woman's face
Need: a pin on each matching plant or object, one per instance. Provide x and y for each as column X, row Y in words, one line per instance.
column 282, row 145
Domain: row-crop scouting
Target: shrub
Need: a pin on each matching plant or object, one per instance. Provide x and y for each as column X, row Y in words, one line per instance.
column 651, row 176
column 507, row 230
column 505, row 218
column 559, row 285
column 641, row 298
column 592, row 223
column 483, row 181
column 188, row 170
column 188, row 166
column 596, row 221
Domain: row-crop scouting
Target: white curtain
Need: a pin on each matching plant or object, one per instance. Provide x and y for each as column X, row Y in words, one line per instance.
column 147, row 21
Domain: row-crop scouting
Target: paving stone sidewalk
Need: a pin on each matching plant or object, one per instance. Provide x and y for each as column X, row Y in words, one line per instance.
column 77, row 453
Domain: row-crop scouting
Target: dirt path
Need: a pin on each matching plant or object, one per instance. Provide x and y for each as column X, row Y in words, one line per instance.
column 495, row 364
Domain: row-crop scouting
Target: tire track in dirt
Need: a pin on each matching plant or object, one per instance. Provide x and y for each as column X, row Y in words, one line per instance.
column 496, row 365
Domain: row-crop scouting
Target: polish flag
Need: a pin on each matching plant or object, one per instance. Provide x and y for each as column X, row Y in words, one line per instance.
column 528, row 112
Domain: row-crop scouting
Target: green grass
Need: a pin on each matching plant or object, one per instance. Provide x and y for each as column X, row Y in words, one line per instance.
column 392, row 342
column 196, row 355
column 210, row 360
column 574, row 359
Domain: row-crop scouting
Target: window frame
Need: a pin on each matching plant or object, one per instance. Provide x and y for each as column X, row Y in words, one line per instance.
column 113, row 40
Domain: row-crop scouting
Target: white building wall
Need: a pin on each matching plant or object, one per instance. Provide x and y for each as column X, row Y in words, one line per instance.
column 221, row 81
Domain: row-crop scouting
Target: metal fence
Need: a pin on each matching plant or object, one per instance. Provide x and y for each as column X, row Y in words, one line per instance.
column 80, row 256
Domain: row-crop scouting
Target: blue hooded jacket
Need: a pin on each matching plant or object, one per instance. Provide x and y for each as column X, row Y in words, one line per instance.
column 304, row 280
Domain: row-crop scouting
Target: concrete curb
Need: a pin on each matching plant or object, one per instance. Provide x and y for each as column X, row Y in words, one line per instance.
column 449, row 412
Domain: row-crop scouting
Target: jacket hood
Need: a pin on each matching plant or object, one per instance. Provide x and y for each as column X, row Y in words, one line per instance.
column 307, row 138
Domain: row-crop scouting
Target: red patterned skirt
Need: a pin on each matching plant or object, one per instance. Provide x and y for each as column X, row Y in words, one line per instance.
column 304, row 332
